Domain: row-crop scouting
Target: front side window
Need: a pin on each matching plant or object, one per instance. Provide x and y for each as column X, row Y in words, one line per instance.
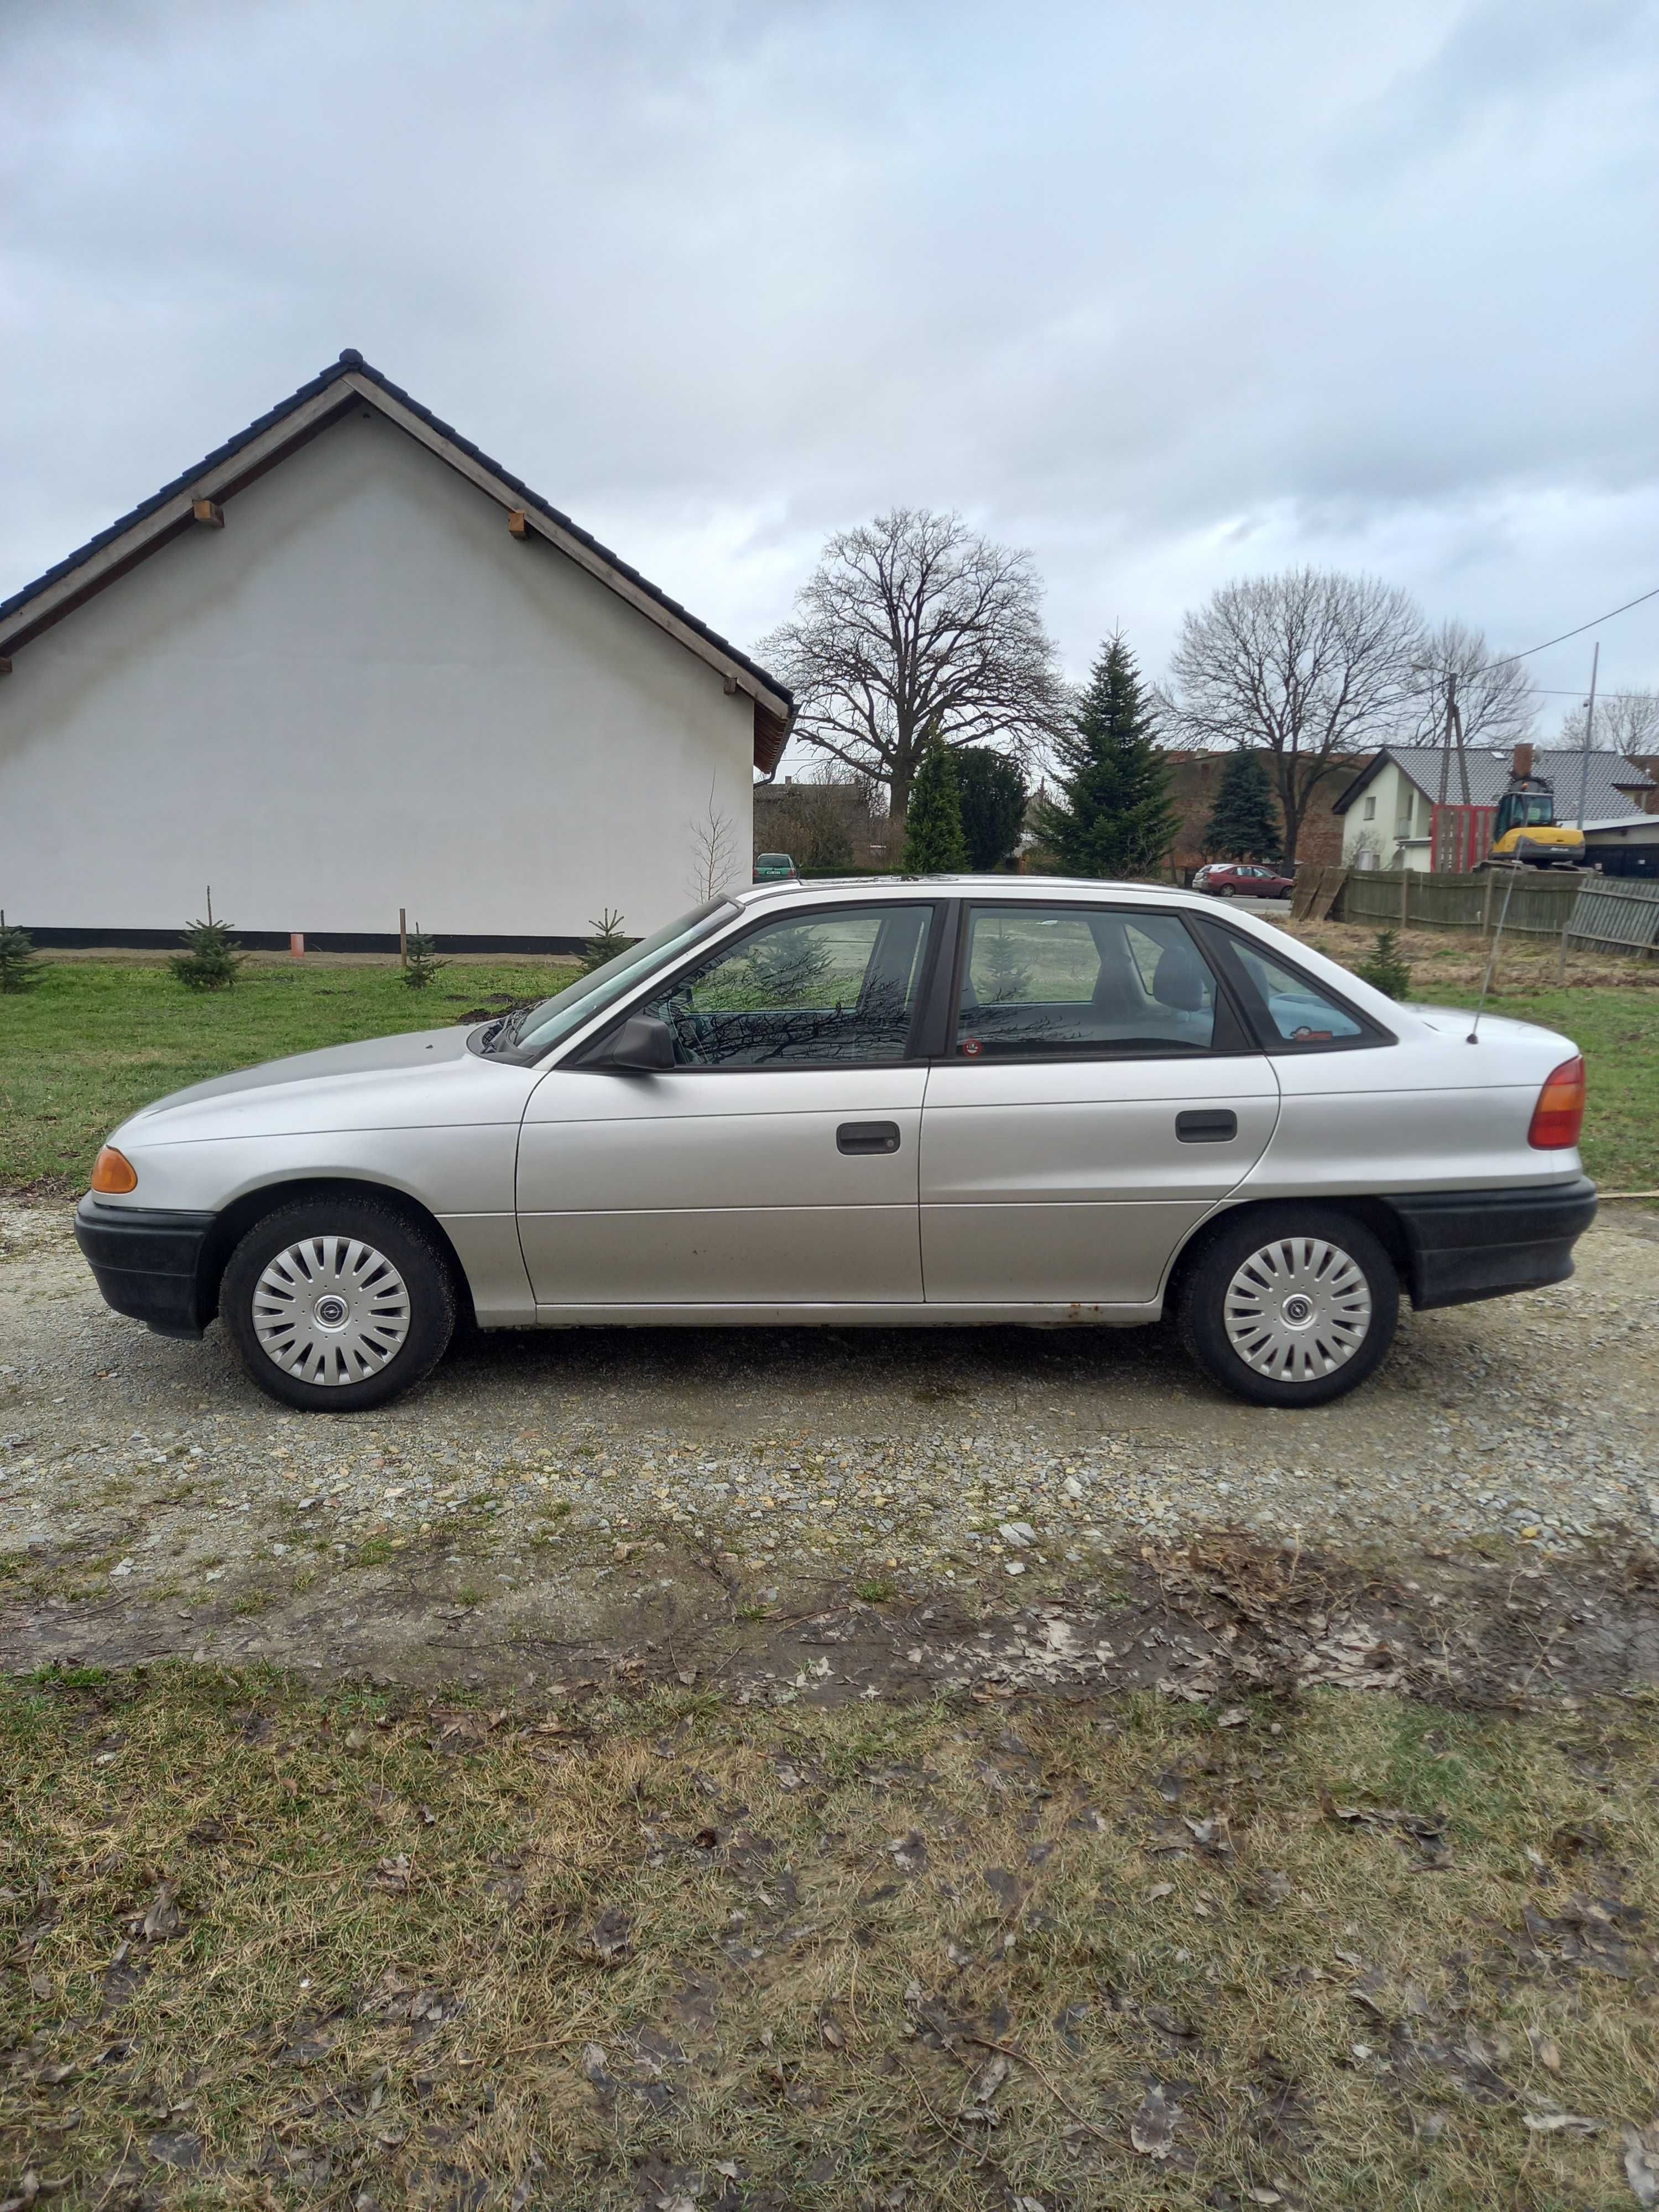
column 526, row 1035
column 834, row 988
column 1298, row 1010
column 1068, row 981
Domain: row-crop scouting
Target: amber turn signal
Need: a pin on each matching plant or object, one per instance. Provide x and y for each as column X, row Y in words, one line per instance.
column 114, row 1172
column 1559, row 1113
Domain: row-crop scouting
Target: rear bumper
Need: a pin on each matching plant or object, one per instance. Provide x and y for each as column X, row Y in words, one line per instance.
column 147, row 1262
column 1466, row 1245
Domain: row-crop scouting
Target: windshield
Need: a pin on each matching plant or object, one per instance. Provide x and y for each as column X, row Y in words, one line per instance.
column 526, row 1036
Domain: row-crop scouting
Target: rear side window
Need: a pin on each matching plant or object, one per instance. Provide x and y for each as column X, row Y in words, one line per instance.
column 1297, row 1011
column 1068, row 981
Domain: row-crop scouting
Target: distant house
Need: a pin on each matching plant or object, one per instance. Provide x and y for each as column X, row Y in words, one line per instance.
column 1388, row 810
column 347, row 664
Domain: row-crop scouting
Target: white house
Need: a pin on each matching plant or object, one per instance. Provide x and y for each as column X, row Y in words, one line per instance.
column 347, row 665
column 1388, row 810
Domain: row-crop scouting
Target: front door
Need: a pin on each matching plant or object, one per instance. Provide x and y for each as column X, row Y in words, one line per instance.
column 775, row 1163
column 1099, row 1095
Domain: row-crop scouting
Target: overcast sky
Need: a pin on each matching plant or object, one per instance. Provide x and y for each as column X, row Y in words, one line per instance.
column 1168, row 291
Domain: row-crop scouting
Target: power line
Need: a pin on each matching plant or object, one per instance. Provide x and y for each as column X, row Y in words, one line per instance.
column 1639, row 601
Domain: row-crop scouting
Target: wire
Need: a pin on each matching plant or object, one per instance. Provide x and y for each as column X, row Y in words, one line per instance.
column 1640, row 601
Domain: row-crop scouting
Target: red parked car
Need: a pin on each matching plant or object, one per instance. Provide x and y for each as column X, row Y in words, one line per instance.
column 1242, row 879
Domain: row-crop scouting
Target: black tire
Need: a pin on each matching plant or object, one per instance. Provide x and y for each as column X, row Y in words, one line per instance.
column 1208, row 1284
column 421, row 1305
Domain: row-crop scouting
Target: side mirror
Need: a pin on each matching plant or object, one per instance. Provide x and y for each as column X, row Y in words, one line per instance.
column 643, row 1045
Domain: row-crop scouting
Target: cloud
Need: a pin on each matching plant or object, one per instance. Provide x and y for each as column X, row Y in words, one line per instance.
column 1165, row 294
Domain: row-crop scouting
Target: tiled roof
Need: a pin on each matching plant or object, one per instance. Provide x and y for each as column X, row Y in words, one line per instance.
column 1490, row 770
column 351, row 362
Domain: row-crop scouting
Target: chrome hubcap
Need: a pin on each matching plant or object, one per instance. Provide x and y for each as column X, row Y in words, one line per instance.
column 332, row 1310
column 1297, row 1309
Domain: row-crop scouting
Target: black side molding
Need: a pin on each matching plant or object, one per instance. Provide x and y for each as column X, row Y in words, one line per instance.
column 147, row 1262
column 1461, row 1245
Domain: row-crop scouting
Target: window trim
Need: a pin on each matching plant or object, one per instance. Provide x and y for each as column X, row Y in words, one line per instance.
column 1227, row 1003
column 592, row 1050
column 1257, row 1019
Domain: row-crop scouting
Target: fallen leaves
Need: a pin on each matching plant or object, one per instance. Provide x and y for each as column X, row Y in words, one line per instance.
column 1151, row 2131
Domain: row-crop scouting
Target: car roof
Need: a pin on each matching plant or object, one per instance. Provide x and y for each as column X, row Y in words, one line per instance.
column 998, row 887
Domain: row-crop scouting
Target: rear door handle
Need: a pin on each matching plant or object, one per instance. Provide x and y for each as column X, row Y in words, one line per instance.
column 1217, row 1127
column 867, row 1137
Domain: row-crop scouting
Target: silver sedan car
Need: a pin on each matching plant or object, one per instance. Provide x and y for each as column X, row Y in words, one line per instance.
column 911, row 1102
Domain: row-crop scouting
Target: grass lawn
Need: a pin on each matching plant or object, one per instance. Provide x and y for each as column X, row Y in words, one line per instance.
column 94, row 1040
column 267, row 1946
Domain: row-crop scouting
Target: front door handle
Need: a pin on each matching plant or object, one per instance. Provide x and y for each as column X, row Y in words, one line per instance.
column 1217, row 1127
column 867, row 1137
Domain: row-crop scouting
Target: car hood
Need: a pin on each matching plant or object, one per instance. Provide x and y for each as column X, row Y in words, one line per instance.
column 375, row 1056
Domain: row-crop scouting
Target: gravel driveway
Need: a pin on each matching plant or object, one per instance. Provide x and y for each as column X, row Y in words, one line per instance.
column 144, row 1481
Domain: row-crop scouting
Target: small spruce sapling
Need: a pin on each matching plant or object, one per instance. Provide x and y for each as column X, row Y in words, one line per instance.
column 607, row 940
column 211, row 959
column 421, row 961
column 1387, row 969
column 18, row 968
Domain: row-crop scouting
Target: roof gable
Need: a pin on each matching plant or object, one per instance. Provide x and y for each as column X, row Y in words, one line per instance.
column 199, row 494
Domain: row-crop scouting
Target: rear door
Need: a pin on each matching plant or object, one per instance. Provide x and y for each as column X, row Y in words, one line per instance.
column 1098, row 1096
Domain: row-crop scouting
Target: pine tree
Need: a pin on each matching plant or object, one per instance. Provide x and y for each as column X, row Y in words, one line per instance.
column 209, row 960
column 934, row 842
column 1244, row 825
column 993, row 794
column 18, row 968
column 1113, row 816
column 421, row 961
column 606, row 942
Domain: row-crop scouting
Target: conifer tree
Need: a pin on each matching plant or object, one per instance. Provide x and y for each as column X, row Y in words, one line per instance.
column 993, row 792
column 606, row 942
column 1113, row 816
column 934, row 842
column 421, row 961
column 1244, row 824
column 210, row 958
column 18, row 960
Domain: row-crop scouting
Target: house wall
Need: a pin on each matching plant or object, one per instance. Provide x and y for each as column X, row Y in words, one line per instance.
column 362, row 693
column 1398, row 823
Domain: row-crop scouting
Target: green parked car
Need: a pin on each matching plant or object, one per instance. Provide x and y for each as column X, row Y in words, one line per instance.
column 775, row 868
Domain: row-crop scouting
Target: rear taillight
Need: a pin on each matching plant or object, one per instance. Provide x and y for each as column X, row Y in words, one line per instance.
column 1559, row 1116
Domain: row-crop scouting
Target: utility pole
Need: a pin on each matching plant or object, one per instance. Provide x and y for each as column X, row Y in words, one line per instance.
column 1589, row 724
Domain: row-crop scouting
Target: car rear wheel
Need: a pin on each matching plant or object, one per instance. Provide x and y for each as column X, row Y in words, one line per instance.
column 1290, row 1305
column 1229, row 891
column 338, row 1305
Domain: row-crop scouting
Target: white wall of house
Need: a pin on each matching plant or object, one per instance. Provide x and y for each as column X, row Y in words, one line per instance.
column 362, row 693
column 1393, row 819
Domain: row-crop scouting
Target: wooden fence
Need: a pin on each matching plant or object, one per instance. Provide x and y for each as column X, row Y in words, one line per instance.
column 1592, row 909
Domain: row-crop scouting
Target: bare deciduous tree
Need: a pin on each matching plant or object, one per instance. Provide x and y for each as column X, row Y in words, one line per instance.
column 1626, row 720
column 1311, row 666
column 910, row 627
column 1496, row 701
column 714, row 842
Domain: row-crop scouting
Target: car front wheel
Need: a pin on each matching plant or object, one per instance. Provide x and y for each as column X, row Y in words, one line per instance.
column 337, row 1305
column 1229, row 891
column 1290, row 1305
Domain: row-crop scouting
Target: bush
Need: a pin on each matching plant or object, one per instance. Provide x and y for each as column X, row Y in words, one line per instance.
column 18, row 959
column 421, row 961
column 210, row 958
column 1386, row 970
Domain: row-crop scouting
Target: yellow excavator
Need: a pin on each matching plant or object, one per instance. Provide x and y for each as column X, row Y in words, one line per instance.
column 1524, row 829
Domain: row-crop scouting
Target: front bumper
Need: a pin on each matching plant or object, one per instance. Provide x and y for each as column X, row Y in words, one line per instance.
column 1461, row 1245
column 147, row 1262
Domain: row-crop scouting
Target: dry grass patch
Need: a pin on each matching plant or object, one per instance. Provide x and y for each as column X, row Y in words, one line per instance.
column 271, row 1947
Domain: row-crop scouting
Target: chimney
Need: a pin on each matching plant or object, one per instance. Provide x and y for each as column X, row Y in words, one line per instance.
column 1522, row 764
